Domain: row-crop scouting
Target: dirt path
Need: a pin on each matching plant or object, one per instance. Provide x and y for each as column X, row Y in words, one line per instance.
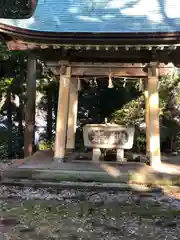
column 51, row 214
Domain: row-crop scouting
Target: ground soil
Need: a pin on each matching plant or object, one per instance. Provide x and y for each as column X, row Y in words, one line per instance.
column 28, row 213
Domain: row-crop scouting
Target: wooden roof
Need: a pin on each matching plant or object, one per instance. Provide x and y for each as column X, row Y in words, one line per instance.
column 88, row 21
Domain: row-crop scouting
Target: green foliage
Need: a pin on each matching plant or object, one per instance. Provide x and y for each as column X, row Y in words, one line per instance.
column 46, row 145
column 21, row 9
column 131, row 113
column 140, row 143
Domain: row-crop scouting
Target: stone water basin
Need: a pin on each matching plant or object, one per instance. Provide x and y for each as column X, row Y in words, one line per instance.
column 108, row 136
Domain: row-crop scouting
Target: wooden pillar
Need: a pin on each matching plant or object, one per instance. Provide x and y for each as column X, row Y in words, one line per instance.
column 30, row 106
column 72, row 114
column 154, row 129
column 62, row 114
column 146, row 98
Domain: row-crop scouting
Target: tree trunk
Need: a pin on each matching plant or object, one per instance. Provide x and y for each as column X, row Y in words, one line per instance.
column 9, row 118
column 21, row 109
column 49, row 113
column 55, row 104
column 20, row 117
column 30, row 106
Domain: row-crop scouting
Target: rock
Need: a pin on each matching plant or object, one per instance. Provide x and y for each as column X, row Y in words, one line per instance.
column 167, row 223
column 9, row 221
column 170, row 224
column 27, row 229
column 157, row 190
column 2, row 236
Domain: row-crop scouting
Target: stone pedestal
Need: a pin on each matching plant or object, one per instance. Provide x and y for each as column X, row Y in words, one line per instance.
column 120, row 155
column 96, row 154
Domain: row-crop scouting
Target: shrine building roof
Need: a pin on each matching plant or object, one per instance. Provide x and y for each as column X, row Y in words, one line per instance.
column 102, row 16
column 119, row 23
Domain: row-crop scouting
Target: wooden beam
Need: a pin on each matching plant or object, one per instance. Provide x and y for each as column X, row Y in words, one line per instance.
column 30, row 106
column 101, row 71
column 154, row 129
column 72, row 115
column 146, row 98
column 99, row 64
column 104, row 69
column 62, row 114
column 102, row 64
column 121, row 56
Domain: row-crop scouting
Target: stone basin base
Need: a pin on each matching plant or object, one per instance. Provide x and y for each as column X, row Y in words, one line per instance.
column 97, row 154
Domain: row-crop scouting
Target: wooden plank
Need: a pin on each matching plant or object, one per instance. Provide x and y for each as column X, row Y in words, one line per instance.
column 154, row 130
column 30, row 106
column 62, row 115
column 72, row 115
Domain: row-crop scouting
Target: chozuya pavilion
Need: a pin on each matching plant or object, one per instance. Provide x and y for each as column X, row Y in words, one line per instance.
column 97, row 38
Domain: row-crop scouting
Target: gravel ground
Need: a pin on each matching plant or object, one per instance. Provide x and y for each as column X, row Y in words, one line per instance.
column 28, row 213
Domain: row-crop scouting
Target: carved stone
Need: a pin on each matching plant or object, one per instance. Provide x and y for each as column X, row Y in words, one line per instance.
column 108, row 136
